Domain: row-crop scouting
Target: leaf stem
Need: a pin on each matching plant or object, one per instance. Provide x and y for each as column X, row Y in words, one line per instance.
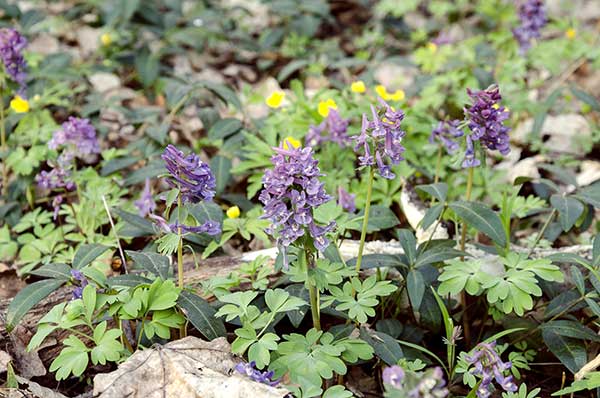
column 114, row 229
column 182, row 328
column 363, row 233
column 541, row 233
column 3, row 143
column 463, row 237
column 438, row 166
column 313, row 294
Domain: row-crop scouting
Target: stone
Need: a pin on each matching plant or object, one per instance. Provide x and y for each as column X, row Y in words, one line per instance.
column 566, row 133
column 103, row 81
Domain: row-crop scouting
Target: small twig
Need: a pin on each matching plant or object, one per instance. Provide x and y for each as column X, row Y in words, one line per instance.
column 112, row 224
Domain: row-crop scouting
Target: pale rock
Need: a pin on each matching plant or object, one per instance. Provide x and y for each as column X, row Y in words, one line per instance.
column 189, row 367
column 566, row 133
column 44, row 44
column 394, row 76
column 103, row 81
column 589, row 172
column 88, row 39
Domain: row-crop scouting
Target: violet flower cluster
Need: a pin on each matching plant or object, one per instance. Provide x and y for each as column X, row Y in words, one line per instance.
column 12, row 44
column 486, row 119
column 346, row 200
column 382, row 135
column 76, row 138
column 249, row 370
column 145, row 204
column 532, row 14
column 427, row 384
column 193, row 177
column 291, row 192
column 195, row 181
column 83, row 282
column 447, row 132
column 489, row 367
column 335, row 125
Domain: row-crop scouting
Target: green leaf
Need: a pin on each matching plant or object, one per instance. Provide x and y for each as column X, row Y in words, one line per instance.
column 482, row 218
column 87, row 253
column 571, row 352
column 409, row 244
column 162, row 295
column 201, row 315
column 571, row 329
column 221, row 167
column 128, row 280
column 380, row 218
column 135, row 226
column 147, row 66
column 260, row 350
column 224, row 128
column 586, row 98
column 55, row 271
column 569, row 210
column 337, row 392
column 72, row 359
column 385, row 346
column 431, row 215
column 28, row 297
column 438, row 191
column 438, row 254
column 416, row 288
column 206, row 211
column 89, row 301
column 108, row 347
column 154, row 263
column 223, row 92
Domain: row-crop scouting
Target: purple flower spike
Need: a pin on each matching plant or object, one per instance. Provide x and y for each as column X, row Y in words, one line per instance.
column 486, row 119
column 145, row 204
column 346, row 200
column 191, row 175
column 83, row 282
column 447, row 132
column 335, row 125
column 384, row 135
column 291, row 192
column 532, row 14
column 393, row 376
column 249, row 370
column 12, row 44
column 489, row 366
column 78, row 136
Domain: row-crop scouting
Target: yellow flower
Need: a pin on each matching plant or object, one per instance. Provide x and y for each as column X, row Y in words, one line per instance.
column 495, row 106
column 382, row 92
column 358, row 87
column 233, row 212
column 19, row 105
column 571, row 33
column 291, row 141
column 397, row 96
column 106, row 39
column 325, row 106
column 432, row 47
column 275, row 99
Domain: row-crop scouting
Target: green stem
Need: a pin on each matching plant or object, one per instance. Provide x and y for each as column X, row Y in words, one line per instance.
column 315, row 309
column 542, row 231
column 363, row 233
column 463, row 237
column 3, row 144
column 438, row 166
column 182, row 328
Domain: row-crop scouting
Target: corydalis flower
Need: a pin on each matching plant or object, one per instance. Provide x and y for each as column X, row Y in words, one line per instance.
column 532, row 14
column 291, row 191
column 249, row 370
column 60, row 174
column 408, row 384
column 145, row 204
column 382, row 135
column 346, row 200
column 447, row 133
column 393, row 376
column 335, row 125
column 489, row 366
column 209, row 227
column 190, row 175
column 77, row 136
column 83, row 282
column 486, row 119
column 12, row 44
